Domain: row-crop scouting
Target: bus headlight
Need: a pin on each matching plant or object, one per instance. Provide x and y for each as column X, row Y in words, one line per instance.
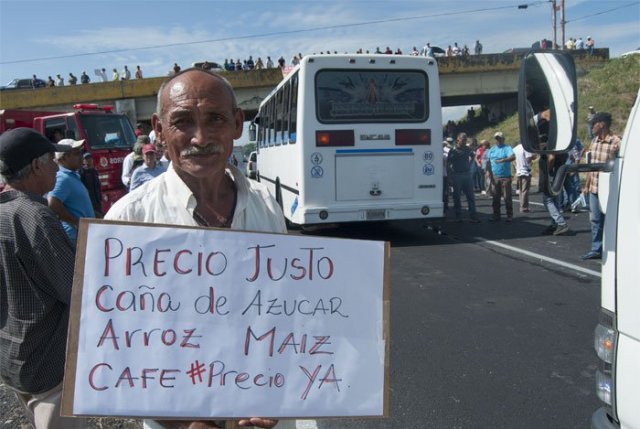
column 323, row 214
column 604, row 342
column 425, row 210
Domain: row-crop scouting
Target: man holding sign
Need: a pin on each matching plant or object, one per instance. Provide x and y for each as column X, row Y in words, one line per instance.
column 197, row 118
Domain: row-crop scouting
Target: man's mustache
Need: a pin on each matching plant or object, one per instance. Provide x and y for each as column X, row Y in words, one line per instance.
column 192, row 150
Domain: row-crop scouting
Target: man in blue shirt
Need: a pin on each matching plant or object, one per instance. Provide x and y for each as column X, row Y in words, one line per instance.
column 150, row 169
column 70, row 199
column 500, row 157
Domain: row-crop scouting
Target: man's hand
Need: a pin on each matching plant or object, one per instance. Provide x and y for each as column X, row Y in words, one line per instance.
column 258, row 422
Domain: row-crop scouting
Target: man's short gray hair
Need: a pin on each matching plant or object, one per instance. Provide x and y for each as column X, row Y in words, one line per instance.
column 225, row 82
column 7, row 177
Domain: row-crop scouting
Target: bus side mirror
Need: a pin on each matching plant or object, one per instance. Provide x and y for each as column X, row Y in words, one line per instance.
column 547, row 102
column 252, row 132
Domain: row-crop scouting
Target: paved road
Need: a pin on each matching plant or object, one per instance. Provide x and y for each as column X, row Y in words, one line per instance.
column 485, row 336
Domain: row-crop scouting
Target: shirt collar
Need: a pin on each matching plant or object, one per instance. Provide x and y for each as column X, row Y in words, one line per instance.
column 183, row 196
column 13, row 194
column 67, row 171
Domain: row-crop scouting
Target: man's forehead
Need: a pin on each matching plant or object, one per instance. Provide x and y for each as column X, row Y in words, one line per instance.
column 196, row 86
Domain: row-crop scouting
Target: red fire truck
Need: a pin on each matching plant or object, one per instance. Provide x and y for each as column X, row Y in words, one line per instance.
column 108, row 136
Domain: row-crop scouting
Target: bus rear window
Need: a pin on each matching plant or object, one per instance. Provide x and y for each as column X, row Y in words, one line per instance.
column 371, row 96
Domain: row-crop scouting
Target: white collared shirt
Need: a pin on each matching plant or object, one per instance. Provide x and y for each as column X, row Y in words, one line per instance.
column 167, row 200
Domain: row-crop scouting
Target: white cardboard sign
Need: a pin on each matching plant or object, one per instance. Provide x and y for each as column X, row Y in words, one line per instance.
column 185, row 322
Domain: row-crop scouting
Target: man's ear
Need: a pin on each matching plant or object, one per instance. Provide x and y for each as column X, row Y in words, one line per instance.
column 239, row 118
column 157, row 126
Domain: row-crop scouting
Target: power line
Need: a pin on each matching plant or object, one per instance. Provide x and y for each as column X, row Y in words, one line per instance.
column 277, row 33
column 602, row 13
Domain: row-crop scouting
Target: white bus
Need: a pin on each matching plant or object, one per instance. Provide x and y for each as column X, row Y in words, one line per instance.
column 347, row 138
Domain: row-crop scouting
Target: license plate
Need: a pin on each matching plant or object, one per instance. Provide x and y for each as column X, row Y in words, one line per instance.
column 378, row 214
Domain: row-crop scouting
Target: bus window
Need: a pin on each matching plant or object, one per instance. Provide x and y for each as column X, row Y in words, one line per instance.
column 271, row 138
column 284, row 113
column 293, row 111
column 278, row 117
column 344, row 96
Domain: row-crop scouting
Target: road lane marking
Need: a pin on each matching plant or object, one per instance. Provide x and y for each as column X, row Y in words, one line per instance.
column 542, row 257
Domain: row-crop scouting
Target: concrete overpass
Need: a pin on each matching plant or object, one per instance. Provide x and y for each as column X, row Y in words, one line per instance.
column 489, row 79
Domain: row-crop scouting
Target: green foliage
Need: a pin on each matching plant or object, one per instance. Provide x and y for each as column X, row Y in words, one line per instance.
column 248, row 148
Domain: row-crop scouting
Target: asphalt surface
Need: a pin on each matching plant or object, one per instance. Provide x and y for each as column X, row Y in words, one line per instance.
column 481, row 335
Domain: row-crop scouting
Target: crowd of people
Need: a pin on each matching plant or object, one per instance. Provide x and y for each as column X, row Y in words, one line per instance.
column 85, row 79
column 486, row 169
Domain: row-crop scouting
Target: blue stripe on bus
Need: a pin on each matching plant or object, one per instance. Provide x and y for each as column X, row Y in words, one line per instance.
column 403, row 150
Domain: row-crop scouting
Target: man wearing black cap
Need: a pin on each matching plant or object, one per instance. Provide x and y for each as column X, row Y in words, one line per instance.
column 35, row 281
column 604, row 147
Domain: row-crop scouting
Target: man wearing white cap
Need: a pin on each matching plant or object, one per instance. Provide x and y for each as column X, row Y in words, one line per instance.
column 70, row 199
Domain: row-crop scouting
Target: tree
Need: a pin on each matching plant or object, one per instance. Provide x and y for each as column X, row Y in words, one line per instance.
column 248, row 148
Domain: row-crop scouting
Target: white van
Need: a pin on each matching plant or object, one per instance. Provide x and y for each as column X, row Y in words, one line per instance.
column 548, row 79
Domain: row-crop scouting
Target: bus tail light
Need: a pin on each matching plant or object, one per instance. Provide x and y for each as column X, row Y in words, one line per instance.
column 413, row 137
column 335, row 138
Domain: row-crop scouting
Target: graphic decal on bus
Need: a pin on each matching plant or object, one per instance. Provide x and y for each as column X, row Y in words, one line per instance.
column 428, row 170
column 316, row 158
column 371, row 96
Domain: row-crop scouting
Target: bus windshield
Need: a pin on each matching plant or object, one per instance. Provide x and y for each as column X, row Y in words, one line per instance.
column 108, row 131
column 371, row 96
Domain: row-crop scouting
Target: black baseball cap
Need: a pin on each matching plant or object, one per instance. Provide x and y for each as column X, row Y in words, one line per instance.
column 602, row 117
column 19, row 146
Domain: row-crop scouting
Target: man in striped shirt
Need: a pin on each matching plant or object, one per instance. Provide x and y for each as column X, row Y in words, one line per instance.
column 604, row 147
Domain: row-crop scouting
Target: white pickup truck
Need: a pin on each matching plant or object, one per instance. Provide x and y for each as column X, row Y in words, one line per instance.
column 547, row 81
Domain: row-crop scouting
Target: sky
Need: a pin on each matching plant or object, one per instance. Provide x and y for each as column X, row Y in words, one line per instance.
column 50, row 37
